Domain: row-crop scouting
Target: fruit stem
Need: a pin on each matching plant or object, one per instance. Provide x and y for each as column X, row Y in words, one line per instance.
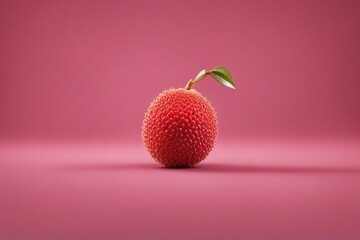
column 192, row 82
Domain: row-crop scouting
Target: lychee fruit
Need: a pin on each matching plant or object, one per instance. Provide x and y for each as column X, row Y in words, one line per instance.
column 180, row 125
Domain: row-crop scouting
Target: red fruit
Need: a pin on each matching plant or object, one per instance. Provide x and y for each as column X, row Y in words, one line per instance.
column 180, row 128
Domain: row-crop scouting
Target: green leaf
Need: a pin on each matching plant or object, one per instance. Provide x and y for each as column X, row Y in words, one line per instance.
column 223, row 76
column 200, row 75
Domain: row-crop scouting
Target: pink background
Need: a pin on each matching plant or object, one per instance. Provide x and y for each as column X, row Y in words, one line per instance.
column 91, row 68
column 77, row 76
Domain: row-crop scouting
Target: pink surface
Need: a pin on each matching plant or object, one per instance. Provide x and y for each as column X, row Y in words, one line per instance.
column 77, row 76
column 246, row 190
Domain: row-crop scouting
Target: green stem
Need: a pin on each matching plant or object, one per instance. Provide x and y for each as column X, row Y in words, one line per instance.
column 192, row 82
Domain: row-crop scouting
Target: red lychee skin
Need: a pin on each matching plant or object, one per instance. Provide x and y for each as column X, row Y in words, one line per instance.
column 180, row 128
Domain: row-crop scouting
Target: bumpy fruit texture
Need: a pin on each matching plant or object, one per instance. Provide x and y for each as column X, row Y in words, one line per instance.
column 180, row 128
